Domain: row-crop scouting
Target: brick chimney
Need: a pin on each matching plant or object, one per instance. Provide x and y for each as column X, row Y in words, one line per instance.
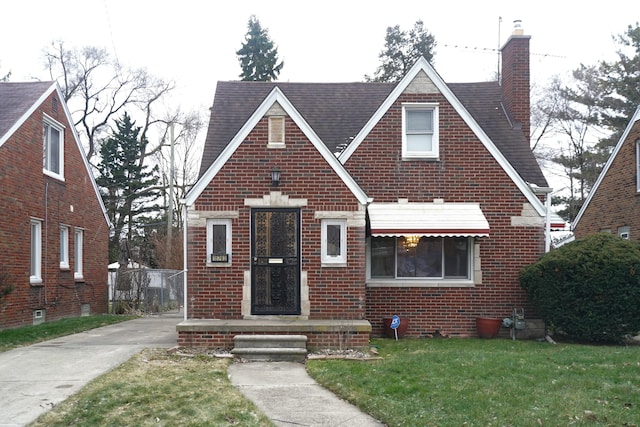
column 515, row 78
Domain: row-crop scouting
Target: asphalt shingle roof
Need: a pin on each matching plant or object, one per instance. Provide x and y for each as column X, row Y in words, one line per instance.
column 338, row 111
column 16, row 99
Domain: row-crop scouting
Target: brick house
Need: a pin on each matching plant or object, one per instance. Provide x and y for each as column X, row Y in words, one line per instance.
column 54, row 232
column 613, row 205
column 324, row 208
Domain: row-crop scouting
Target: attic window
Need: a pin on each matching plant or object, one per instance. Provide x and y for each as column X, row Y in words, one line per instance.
column 276, row 131
column 420, row 131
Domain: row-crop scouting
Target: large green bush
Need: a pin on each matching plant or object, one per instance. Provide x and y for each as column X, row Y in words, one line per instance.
column 588, row 289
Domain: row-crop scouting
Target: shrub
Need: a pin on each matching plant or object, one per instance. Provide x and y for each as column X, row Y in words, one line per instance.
column 588, row 289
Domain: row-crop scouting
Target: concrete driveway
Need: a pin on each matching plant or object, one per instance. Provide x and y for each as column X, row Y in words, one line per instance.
column 33, row 379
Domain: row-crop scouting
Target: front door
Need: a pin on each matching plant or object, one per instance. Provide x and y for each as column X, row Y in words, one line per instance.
column 275, row 266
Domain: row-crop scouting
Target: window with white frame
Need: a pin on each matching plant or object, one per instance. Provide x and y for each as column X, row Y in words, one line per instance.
column 638, row 165
column 420, row 131
column 421, row 257
column 78, row 253
column 35, row 274
column 218, row 241
column 276, row 131
column 624, row 232
column 64, row 247
column 334, row 241
column 53, row 148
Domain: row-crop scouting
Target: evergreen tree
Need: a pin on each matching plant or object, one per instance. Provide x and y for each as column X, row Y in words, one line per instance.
column 402, row 50
column 258, row 56
column 129, row 188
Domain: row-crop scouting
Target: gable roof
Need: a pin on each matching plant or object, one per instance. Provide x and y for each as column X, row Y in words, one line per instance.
column 634, row 119
column 335, row 111
column 342, row 114
column 18, row 101
column 276, row 96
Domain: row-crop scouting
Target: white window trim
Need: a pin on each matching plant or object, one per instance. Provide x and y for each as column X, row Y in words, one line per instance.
column 275, row 143
column 64, row 247
column 624, row 232
column 210, row 223
column 48, row 121
column 638, row 165
column 475, row 276
column 434, row 153
column 78, row 251
column 326, row 259
column 35, row 263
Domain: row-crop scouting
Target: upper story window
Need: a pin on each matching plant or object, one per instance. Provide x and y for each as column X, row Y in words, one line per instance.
column 219, row 241
column 334, row 241
column 53, row 148
column 276, row 131
column 420, row 131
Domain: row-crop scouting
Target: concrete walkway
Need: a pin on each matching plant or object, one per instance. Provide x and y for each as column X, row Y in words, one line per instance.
column 35, row 378
column 286, row 394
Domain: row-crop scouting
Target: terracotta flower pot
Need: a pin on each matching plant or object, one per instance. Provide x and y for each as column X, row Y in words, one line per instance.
column 402, row 328
column 488, row 327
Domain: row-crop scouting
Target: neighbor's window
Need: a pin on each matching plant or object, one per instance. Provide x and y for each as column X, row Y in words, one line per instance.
column 420, row 257
column 64, row 247
column 420, row 131
column 219, row 241
column 334, row 241
column 638, row 165
column 35, row 275
column 78, row 242
column 276, row 131
column 53, row 148
column 624, row 232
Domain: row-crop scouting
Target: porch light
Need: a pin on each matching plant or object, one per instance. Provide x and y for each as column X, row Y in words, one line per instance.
column 275, row 176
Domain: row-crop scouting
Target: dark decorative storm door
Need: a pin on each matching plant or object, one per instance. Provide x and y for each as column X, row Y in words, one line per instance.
column 275, row 255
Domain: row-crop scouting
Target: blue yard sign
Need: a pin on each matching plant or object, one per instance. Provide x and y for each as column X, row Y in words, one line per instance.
column 395, row 322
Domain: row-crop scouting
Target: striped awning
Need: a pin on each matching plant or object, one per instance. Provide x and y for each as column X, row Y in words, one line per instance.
column 427, row 219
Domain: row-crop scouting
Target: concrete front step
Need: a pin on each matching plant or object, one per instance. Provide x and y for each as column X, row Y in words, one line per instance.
column 264, row 348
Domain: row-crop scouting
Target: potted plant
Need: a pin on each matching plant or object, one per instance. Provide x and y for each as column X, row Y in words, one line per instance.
column 488, row 327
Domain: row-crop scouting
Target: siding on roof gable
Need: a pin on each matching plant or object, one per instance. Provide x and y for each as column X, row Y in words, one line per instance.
column 276, row 110
column 421, row 84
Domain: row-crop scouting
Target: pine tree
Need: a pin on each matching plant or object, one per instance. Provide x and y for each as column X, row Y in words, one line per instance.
column 402, row 50
column 258, row 56
column 129, row 188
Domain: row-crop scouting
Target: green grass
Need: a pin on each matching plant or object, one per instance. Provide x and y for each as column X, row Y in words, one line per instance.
column 25, row 335
column 155, row 388
column 473, row 382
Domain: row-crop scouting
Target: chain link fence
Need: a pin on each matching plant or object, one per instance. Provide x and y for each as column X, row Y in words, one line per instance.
column 144, row 289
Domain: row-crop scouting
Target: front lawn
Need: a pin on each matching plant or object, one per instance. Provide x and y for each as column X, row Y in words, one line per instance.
column 475, row 382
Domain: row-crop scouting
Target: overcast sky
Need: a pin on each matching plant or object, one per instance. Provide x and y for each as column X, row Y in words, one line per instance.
column 194, row 42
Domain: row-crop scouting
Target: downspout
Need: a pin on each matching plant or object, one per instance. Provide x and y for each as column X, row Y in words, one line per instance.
column 184, row 256
column 547, row 213
column 547, row 231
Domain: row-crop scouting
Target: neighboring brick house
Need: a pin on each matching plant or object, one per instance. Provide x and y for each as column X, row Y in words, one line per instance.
column 419, row 199
column 54, row 230
column 613, row 205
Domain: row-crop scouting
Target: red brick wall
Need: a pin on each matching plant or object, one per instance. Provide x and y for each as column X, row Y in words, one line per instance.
column 315, row 339
column 26, row 192
column 334, row 292
column 515, row 80
column 466, row 172
column 616, row 203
